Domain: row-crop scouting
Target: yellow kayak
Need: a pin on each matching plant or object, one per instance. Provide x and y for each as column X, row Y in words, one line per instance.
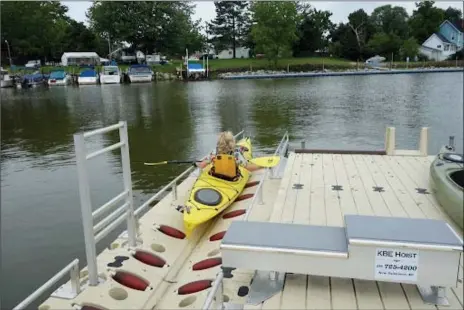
column 210, row 195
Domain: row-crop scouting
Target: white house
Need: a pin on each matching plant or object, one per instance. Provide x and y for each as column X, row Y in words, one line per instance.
column 240, row 52
column 80, row 58
column 447, row 41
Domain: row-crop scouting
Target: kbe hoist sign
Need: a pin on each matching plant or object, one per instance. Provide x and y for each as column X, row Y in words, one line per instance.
column 396, row 265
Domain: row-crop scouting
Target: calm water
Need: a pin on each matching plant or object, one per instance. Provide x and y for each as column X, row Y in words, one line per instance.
column 41, row 227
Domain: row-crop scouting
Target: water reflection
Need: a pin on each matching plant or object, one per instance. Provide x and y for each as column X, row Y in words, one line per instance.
column 37, row 128
column 158, row 130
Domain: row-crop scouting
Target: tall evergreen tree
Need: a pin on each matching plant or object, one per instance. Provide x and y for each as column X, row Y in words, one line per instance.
column 231, row 25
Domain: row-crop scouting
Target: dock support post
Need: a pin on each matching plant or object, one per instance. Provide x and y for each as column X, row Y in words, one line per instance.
column 174, row 191
column 390, row 140
column 86, row 209
column 423, row 141
column 261, row 200
column 75, row 281
column 126, row 171
column 303, row 144
column 434, row 295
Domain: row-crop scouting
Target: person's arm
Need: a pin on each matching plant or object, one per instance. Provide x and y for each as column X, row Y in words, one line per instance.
column 246, row 164
column 202, row 164
column 252, row 167
column 205, row 162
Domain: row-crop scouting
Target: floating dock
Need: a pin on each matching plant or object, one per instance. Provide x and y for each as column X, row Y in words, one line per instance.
column 341, row 73
column 163, row 270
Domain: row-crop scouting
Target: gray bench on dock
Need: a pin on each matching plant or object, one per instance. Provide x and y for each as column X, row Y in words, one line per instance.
column 401, row 250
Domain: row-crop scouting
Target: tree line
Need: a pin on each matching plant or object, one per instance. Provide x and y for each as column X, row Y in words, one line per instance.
column 286, row 28
column 275, row 29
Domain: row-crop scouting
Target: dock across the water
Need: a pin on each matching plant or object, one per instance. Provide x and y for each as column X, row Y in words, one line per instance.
column 341, row 73
column 155, row 267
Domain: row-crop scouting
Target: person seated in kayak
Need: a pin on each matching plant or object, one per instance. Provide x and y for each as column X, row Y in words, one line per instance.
column 227, row 151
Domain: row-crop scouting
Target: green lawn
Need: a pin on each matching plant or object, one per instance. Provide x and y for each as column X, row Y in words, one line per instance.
column 296, row 64
column 234, row 64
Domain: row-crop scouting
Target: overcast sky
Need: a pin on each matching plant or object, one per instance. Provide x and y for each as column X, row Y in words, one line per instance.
column 340, row 9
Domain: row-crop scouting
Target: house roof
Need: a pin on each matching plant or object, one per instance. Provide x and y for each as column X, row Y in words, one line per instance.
column 442, row 38
column 81, row 54
column 459, row 25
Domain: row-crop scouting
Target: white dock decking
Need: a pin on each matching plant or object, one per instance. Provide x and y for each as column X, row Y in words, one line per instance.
column 332, row 185
column 314, row 189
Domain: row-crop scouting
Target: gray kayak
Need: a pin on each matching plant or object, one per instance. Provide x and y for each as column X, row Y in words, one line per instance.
column 447, row 182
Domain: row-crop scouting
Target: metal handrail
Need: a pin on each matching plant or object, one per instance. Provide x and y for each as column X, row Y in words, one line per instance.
column 217, row 284
column 72, row 268
column 114, row 219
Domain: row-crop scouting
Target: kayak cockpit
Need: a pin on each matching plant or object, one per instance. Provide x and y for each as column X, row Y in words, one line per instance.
column 458, row 177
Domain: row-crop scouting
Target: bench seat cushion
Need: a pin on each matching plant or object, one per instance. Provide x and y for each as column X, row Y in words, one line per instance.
column 401, row 230
column 286, row 236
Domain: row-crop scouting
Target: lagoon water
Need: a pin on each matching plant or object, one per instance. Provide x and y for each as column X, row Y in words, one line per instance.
column 41, row 228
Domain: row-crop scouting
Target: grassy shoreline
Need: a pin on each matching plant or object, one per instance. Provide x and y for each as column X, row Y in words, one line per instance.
column 218, row 66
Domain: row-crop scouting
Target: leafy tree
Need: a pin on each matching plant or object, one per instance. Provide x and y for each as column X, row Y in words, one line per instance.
column 313, row 32
column 32, row 28
column 275, row 27
column 425, row 20
column 391, row 20
column 410, row 48
column 385, row 44
column 230, row 28
column 453, row 15
column 165, row 26
column 360, row 24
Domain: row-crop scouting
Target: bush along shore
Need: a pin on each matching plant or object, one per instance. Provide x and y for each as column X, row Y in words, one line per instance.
column 318, row 68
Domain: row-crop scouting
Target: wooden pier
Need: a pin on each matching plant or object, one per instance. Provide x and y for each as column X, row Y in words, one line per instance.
column 315, row 188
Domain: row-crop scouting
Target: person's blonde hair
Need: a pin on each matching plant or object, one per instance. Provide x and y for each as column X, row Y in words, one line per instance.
column 226, row 143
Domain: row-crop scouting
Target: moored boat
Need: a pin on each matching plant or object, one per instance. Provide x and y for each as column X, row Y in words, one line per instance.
column 5, row 79
column 59, row 78
column 32, row 80
column 88, row 77
column 140, row 74
column 447, row 181
column 110, row 75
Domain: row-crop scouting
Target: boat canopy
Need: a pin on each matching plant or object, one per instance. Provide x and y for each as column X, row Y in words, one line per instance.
column 110, row 70
column 88, row 73
column 134, row 69
column 58, row 75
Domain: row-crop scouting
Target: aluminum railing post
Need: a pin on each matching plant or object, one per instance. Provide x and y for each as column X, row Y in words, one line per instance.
column 75, row 283
column 86, row 209
column 126, row 171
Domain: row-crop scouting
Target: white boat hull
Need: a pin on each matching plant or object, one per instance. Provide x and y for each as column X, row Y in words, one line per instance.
column 61, row 82
column 110, row 79
column 92, row 80
column 140, row 78
column 6, row 83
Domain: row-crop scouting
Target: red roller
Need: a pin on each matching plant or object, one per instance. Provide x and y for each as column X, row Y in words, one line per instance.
column 90, row 308
column 251, row 184
column 243, row 197
column 171, row 231
column 235, row 213
column 149, row 259
column 194, row 287
column 130, row 280
column 217, row 236
column 207, row 263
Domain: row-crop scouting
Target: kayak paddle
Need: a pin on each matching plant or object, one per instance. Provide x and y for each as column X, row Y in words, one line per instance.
column 266, row 162
column 167, row 162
